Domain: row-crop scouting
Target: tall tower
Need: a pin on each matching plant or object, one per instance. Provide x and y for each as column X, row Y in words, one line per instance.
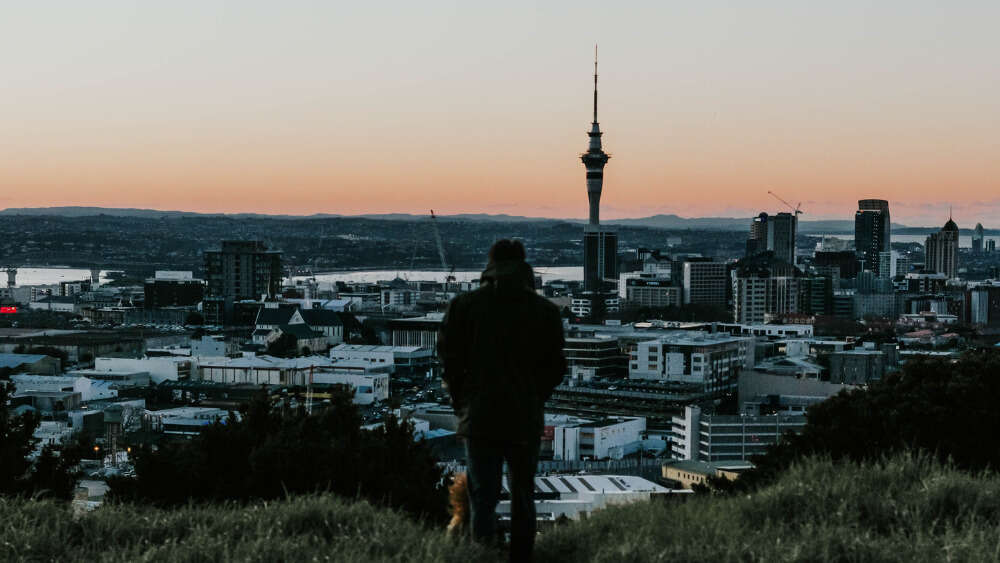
column 600, row 244
column 594, row 160
column 11, row 276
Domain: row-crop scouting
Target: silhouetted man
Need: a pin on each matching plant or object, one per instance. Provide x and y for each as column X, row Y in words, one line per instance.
column 501, row 346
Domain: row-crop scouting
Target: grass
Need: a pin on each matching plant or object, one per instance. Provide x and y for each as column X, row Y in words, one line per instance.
column 907, row 508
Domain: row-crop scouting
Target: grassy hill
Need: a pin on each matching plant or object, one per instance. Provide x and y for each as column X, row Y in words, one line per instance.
column 908, row 508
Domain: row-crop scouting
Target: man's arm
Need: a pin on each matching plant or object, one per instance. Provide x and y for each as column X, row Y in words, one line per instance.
column 452, row 349
column 555, row 360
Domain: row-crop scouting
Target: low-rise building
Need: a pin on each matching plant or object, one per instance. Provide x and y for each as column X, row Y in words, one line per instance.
column 571, row 438
column 690, row 473
column 30, row 363
column 712, row 438
column 416, row 331
column 160, row 369
column 369, row 384
column 89, row 389
column 711, row 360
column 577, row 496
column 403, row 358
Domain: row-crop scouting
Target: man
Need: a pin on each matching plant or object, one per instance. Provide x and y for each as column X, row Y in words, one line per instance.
column 501, row 346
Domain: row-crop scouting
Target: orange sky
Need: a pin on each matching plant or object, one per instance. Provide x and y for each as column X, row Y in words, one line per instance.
column 316, row 108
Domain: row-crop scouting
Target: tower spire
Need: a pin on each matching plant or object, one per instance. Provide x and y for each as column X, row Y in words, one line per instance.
column 595, row 82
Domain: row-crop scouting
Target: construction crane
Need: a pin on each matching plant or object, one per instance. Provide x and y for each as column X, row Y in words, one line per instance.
column 797, row 210
column 444, row 261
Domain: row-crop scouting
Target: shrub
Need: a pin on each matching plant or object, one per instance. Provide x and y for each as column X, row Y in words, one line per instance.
column 267, row 454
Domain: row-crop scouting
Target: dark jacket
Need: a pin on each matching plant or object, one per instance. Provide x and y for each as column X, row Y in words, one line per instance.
column 502, row 350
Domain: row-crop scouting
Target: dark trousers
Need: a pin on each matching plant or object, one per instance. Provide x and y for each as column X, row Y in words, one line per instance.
column 485, row 459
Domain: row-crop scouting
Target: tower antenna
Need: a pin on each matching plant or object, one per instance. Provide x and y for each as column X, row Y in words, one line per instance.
column 595, row 82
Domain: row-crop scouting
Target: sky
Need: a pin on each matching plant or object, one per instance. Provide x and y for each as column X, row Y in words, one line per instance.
column 475, row 107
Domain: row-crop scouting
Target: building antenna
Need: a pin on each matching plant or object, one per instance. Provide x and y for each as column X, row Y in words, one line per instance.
column 595, row 82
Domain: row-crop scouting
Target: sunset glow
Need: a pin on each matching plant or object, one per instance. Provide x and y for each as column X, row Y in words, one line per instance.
column 468, row 108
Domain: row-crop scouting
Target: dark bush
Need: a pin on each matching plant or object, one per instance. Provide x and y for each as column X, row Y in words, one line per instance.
column 267, row 454
column 944, row 407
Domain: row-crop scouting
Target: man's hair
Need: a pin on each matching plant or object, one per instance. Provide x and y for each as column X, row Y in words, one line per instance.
column 506, row 249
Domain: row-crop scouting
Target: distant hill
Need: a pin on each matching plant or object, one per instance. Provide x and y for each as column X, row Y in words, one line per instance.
column 666, row 222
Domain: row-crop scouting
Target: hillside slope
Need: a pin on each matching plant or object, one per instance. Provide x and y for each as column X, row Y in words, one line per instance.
column 905, row 509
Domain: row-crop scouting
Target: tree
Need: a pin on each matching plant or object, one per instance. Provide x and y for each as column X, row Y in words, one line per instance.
column 194, row 318
column 947, row 408
column 54, row 473
column 267, row 453
column 285, row 346
column 16, row 443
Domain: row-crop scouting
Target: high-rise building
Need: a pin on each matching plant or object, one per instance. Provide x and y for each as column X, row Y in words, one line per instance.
column 977, row 239
column 600, row 244
column 846, row 262
column 942, row 250
column 704, row 281
column 991, row 245
column 775, row 233
column 872, row 231
column 239, row 271
column 764, row 288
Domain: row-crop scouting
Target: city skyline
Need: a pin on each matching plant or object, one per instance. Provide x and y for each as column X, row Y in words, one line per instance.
column 295, row 111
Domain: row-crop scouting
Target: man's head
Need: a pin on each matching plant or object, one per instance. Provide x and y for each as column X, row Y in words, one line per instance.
column 506, row 250
column 507, row 267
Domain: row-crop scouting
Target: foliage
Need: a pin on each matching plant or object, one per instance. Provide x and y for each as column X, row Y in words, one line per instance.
column 284, row 346
column 905, row 508
column 53, row 473
column 908, row 507
column 948, row 408
column 266, row 454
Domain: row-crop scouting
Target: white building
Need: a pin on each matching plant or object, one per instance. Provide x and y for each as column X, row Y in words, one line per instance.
column 184, row 421
column 211, row 346
column 261, row 370
column 159, row 368
column 711, row 438
column 369, row 386
column 89, row 389
column 577, row 496
column 398, row 356
column 566, row 437
column 713, row 360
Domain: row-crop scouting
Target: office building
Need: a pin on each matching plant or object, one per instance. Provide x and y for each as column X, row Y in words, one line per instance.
column 984, row 304
column 764, row 288
column 977, row 239
column 872, row 231
column 652, row 292
column 816, row 295
column 239, row 271
column 712, row 438
column 601, row 357
column 173, row 289
column 846, row 262
column 942, row 250
column 775, row 233
column 704, row 281
column 710, row 360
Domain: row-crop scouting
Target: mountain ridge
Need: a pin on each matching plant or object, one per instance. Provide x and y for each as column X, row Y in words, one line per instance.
column 659, row 221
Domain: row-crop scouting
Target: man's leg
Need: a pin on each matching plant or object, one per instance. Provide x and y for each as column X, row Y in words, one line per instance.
column 485, row 462
column 522, row 461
